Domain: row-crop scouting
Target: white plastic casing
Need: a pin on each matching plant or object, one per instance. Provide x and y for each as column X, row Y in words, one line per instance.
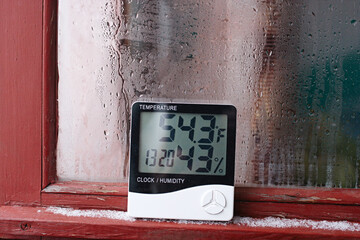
column 207, row 202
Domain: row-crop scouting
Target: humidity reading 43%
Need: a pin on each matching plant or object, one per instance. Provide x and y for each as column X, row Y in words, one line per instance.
column 183, row 143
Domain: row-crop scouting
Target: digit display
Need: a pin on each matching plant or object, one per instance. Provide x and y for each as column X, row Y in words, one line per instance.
column 183, row 143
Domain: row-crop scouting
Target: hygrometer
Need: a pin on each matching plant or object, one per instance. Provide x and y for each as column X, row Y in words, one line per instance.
column 182, row 161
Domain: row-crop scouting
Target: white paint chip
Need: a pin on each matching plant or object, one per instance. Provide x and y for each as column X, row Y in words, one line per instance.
column 269, row 222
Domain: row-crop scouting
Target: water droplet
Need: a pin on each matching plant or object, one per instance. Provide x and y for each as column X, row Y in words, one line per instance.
column 311, row 113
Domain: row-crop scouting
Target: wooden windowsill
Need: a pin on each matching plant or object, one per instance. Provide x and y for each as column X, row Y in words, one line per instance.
column 304, row 203
column 17, row 221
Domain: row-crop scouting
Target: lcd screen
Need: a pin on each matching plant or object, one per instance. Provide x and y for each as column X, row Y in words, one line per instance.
column 183, row 143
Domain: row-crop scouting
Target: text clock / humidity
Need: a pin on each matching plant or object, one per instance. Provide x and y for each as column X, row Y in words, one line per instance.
column 182, row 161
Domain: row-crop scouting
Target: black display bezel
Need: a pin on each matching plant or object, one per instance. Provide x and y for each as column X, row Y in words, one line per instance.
column 189, row 180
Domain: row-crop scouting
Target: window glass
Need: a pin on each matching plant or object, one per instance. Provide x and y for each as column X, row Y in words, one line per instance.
column 290, row 67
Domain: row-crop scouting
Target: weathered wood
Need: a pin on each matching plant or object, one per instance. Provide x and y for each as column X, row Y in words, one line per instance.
column 248, row 209
column 96, row 188
column 20, row 101
column 28, row 87
column 327, row 204
column 49, row 90
column 86, row 195
column 35, row 221
column 297, row 210
column 85, row 201
column 298, row 195
column 246, row 194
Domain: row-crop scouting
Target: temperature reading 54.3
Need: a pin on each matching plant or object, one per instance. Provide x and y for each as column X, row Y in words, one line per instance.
column 183, row 143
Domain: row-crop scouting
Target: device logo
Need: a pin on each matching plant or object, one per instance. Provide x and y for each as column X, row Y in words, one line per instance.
column 213, row 202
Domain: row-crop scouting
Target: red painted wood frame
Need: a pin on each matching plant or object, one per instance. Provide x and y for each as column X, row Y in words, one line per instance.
column 28, row 80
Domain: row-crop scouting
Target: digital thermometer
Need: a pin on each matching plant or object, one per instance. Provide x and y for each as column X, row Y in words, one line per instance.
column 182, row 161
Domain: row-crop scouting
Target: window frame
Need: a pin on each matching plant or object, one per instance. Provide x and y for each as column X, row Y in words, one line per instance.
column 33, row 174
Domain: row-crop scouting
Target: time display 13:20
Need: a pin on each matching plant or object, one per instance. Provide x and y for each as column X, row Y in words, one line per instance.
column 183, row 143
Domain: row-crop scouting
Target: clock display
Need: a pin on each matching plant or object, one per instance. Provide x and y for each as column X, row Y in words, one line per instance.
column 183, row 143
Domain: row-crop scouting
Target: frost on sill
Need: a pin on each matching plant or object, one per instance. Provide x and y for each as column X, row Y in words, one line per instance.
column 269, row 222
column 110, row 214
column 297, row 223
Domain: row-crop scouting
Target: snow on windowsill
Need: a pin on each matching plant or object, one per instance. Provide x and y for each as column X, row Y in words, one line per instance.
column 268, row 222
column 110, row 214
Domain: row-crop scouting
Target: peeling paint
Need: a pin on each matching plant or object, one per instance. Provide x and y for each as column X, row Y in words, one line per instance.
column 66, row 189
column 334, row 199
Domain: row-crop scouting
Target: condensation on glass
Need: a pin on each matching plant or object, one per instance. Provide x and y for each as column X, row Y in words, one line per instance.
column 290, row 67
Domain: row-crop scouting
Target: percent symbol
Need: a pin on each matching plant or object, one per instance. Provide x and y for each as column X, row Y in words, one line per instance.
column 217, row 167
